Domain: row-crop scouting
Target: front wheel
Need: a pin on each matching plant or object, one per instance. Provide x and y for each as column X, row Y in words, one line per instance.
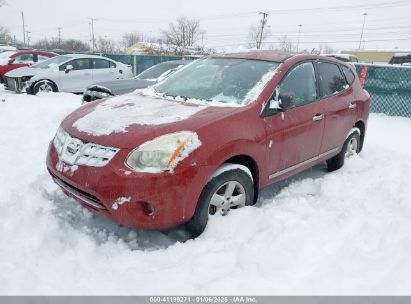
column 44, row 86
column 231, row 189
column 351, row 147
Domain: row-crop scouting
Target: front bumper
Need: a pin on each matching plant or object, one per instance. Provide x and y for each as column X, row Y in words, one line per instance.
column 121, row 194
column 15, row 84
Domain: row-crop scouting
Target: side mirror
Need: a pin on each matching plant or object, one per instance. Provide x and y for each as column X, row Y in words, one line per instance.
column 287, row 101
column 68, row 68
column 11, row 60
column 282, row 102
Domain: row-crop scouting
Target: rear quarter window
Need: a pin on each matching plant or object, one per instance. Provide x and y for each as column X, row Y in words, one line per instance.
column 349, row 75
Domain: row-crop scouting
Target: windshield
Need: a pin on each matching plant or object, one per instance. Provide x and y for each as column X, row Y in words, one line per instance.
column 235, row 81
column 49, row 63
column 157, row 70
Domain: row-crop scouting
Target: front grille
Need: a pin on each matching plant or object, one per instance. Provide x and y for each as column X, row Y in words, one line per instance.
column 74, row 151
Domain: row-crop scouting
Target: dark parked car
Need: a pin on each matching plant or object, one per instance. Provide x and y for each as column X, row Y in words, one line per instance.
column 207, row 138
column 143, row 80
column 401, row 59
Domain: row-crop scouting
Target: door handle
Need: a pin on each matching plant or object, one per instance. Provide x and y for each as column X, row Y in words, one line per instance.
column 318, row 117
column 352, row 106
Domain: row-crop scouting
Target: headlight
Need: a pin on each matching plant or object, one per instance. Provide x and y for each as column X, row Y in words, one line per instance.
column 163, row 153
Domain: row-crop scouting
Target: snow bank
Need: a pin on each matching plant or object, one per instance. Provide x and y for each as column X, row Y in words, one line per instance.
column 346, row 233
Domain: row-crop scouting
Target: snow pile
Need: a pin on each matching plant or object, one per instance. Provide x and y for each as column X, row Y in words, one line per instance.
column 116, row 114
column 346, row 232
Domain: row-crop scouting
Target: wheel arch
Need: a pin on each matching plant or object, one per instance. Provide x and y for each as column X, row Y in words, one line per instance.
column 360, row 125
column 45, row 79
column 251, row 164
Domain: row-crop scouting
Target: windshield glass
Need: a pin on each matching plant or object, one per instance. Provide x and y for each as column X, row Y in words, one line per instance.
column 49, row 63
column 235, row 81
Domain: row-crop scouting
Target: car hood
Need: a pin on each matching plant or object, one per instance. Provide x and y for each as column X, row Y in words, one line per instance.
column 129, row 120
column 24, row 71
column 118, row 87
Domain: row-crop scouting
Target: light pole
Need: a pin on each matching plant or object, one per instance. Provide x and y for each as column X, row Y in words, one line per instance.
column 299, row 32
column 362, row 30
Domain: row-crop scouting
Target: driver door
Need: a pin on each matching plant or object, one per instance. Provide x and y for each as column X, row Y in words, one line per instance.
column 294, row 137
column 77, row 79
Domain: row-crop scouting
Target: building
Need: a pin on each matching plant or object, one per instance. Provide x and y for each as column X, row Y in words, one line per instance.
column 376, row 56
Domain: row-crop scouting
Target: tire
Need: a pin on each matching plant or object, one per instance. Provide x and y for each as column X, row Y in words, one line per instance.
column 45, row 86
column 232, row 189
column 1, row 80
column 351, row 146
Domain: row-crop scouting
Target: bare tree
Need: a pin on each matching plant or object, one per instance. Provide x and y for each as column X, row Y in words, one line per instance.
column 5, row 36
column 106, row 45
column 2, row 2
column 254, row 33
column 69, row 45
column 130, row 39
column 183, row 33
column 326, row 49
column 285, row 44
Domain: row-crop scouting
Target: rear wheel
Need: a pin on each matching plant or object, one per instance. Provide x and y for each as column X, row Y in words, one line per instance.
column 231, row 189
column 351, row 147
column 44, row 86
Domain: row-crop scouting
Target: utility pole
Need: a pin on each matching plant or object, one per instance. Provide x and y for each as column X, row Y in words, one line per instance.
column 263, row 23
column 93, row 41
column 24, row 28
column 299, row 33
column 362, row 31
column 59, row 29
column 28, row 38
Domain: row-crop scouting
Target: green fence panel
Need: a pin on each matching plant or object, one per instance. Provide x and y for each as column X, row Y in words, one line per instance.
column 389, row 87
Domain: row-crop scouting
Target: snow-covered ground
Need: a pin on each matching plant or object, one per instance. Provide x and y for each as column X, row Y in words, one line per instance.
column 347, row 232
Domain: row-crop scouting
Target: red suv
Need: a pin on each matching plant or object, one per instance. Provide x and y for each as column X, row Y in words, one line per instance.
column 204, row 141
column 13, row 60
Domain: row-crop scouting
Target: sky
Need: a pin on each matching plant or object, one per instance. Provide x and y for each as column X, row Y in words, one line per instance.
column 337, row 24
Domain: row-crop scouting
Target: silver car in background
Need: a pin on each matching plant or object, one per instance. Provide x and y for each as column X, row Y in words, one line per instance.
column 66, row 73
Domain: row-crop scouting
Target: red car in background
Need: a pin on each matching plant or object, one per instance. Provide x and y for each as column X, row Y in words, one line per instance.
column 205, row 140
column 13, row 60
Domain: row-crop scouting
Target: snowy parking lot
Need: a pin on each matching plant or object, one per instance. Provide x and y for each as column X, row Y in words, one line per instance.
column 346, row 232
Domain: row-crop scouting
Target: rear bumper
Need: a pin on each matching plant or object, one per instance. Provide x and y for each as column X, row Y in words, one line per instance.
column 122, row 195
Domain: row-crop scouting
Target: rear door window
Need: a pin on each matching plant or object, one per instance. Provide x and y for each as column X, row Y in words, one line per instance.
column 330, row 78
column 101, row 64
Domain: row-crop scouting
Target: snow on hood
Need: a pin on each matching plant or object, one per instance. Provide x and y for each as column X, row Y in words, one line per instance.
column 24, row 71
column 116, row 114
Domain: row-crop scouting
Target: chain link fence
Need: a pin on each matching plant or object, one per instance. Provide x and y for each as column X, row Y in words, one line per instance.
column 389, row 87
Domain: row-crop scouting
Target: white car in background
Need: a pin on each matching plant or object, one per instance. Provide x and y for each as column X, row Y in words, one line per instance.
column 67, row 73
